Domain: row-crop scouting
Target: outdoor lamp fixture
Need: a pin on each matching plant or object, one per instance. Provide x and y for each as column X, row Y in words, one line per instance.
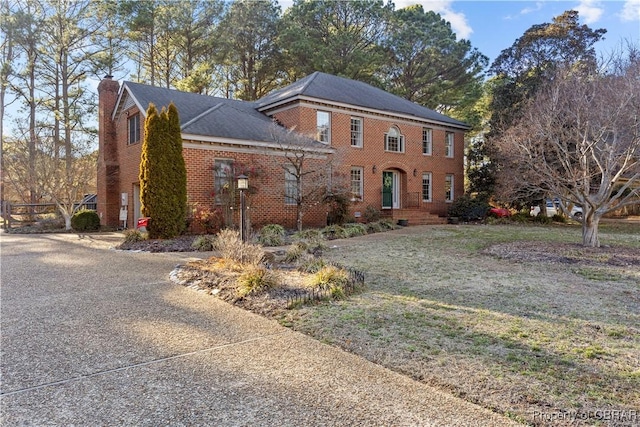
column 243, row 184
column 374, row 168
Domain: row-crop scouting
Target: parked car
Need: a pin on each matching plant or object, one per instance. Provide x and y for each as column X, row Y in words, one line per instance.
column 553, row 208
column 500, row 212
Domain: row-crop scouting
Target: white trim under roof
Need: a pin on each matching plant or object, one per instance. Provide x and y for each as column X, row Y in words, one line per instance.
column 211, row 146
column 352, row 108
column 256, row 144
column 119, row 101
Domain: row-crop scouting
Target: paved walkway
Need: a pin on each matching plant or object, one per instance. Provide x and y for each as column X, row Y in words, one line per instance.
column 97, row 337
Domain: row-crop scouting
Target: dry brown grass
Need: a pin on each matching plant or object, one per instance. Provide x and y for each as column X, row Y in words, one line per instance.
column 487, row 314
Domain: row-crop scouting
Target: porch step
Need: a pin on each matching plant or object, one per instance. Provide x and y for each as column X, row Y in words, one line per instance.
column 415, row 217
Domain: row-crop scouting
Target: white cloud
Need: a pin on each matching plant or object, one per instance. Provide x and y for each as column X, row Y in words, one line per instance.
column 458, row 20
column 590, row 11
column 630, row 11
column 528, row 10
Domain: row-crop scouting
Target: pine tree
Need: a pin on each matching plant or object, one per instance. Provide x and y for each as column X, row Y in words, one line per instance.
column 163, row 176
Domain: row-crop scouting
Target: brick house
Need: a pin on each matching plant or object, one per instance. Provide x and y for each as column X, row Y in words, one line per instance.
column 398, row 157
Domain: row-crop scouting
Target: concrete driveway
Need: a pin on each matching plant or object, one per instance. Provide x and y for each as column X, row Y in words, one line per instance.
column 91, row 336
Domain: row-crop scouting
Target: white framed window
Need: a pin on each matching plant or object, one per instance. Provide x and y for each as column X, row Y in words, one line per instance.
column 394, row 140
column 448, row 144
column 448, row 188
column 323, row 124
column 426, row 187
column 427, row 138
column 356, row 132
column 356, row 183
column 290, row 187
column 223, row 183
column 133, row 124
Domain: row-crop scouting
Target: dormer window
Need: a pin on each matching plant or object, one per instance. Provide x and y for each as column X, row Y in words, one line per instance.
column 394, row 140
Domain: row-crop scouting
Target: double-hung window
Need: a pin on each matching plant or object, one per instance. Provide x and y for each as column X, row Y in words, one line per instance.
column 323, row 123
column 356, row 132
column 426, row 187
column 133, row 123
column 427, row 137
column 223, row 180
column 394, row 140
column 448, row 188
column 290, row 187
column 448, row 144
column 356, row 183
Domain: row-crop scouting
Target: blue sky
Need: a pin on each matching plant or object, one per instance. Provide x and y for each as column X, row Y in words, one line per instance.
column 492, row 26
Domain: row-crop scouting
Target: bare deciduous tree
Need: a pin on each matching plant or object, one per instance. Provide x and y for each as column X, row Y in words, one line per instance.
column 308, row 166
column 579, row 140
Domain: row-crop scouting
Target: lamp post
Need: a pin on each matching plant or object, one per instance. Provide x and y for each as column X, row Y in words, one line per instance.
column 243, row 184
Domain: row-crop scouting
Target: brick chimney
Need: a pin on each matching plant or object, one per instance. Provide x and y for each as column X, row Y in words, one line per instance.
column 108, row 167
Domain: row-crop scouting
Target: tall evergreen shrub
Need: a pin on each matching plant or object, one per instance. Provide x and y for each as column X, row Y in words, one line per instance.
column 163, row 174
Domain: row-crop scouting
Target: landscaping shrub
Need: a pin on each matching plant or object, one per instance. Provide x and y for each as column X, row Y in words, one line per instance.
column 332, row 278
column 372, row 214
column 386, row 224
column 85, row 220
column 312, row 265
column 254, row 280
column 204, row 243
column 272, row 235
column 309, row 234
column 331, row 232
column 559, row 218
column 132, row 236
column 338, row 208
column 295, row 251
column 354, row 229
column 374, row 227
column 542, row 219
column 231, row 247
column 209, row 221
column 468, row 208
column 521, row 217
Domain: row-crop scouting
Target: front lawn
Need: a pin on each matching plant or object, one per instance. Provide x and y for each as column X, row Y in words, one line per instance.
column 517, row 318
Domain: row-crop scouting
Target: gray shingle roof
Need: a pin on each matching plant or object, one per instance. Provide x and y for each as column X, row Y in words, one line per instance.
column 341, row 90
column 207, row 115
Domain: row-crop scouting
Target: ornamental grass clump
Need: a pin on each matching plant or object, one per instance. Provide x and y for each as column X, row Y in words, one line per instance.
column 272, row 235
column 231, row 247
column 256, row 279
column 204, row 243
column 132, row 236
column 355, row 229
column 331, row 278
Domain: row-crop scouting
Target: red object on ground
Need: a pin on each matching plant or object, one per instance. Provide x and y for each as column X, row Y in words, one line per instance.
column 500, row 212
column 143, row 222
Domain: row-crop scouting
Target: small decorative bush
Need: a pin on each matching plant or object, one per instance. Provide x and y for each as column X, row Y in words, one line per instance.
column 542, row 219
column 372, row 214
column 203, row 243
column 334, row 232
column 559, row 218
column 271, row 235
column 355, row 229
column 209, row 221
column 295, row 251
column 309, row 234
column 85, row 220
column 338, row 207
column 132, row 236
column 521, row 217
column 231, row 247
column 468, row 208
column 312, row 265
column 386, row 224
column 374, row 227
column 255, row 279
column 332, row 278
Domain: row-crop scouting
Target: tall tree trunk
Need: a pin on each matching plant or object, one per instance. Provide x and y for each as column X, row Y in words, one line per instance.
column 590, row 223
